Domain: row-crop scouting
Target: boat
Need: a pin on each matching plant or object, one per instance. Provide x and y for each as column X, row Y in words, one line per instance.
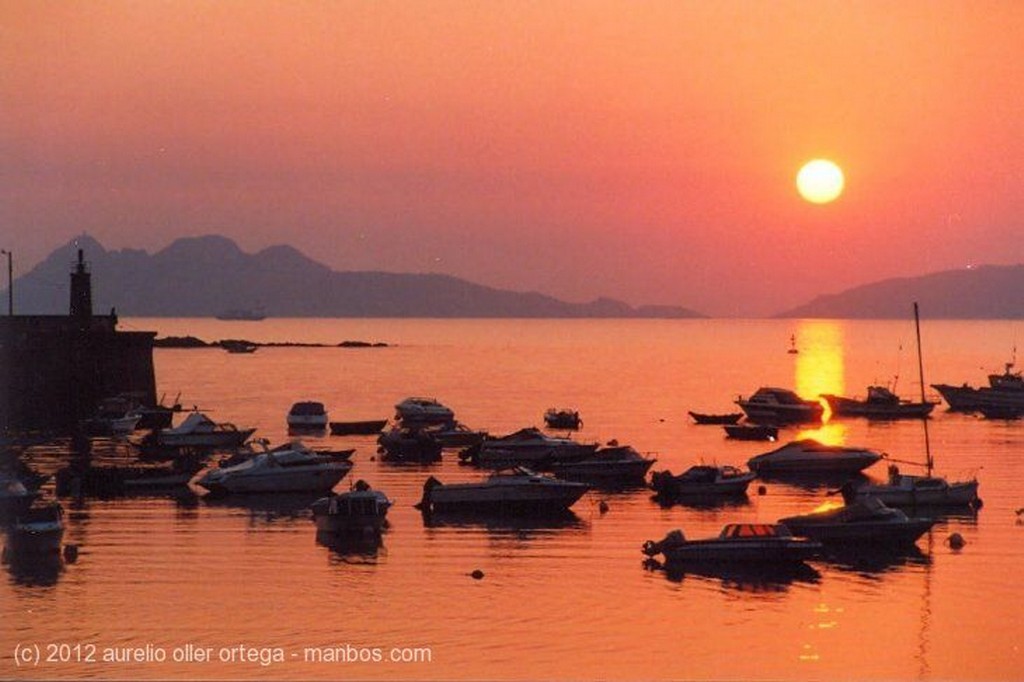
column 808, row 456
column 415, row 410
column 611, row 466
column 730, row 418
column 308, row 415
column 1003, row 395
column 294, row 449
column 702, row 480
column 864, row 522
column 529, row 446
column 516, row 491
column 111, row 424
column 751, row 431
column 405, row 444
column 243, row 314
column 359, row 511
column 756, row 543
column 881, row 403
column 38, row 529
column 779, row 406
column 290, row 471
column 793, row 350
column 109, row 480
column 198, row 430
column 911, row 490
column 358, row 428
column 456, row 435
column 15, row 497
column 562, row 418
column 239, row 346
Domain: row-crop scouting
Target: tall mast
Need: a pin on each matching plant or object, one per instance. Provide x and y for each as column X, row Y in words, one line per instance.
column 920, row 373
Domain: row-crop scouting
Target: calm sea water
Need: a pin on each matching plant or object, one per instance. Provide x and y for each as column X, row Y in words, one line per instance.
column 180, row 577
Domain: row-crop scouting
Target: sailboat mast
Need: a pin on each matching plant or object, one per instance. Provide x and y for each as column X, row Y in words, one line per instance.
column 920, row 373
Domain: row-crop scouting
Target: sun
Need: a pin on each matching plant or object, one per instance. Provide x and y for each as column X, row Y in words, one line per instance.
column 820, row 181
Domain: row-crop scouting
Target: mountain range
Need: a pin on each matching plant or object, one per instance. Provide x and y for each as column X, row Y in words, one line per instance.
column 982, row 292
column 207, row 276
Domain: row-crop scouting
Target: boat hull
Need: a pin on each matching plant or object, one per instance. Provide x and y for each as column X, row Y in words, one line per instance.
column 751, row 432
column 848, row 407
column 363, row 428
column 673, row 486
column 961, row 494
column 525, row 498
column 767, row 551
column 870, row 533
column 626, row 472
column 321, row 480
column 217, row 439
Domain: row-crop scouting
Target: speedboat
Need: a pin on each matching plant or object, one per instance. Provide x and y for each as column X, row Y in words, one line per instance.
column 867, row 521
column 38, row 529
column 881, row 403
column 367, row 427
column 562, row 418
column 808, row 456
column 362, row 510
column 779, row 406
column 404, row 444
column 620, row 465
column 423, row 411
column 286, row 471
column 908, row 490
column 200, row 431
column 751, row 431
column 758, row 543
column 516, row 491
column 308, row 415
column 456, row 435
column 703, row 479
column 527, row 446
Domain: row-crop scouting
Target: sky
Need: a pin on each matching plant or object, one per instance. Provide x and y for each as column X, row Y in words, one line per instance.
column 645, row 151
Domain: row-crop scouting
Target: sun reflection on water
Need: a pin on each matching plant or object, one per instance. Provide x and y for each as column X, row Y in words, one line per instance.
column 819, row 369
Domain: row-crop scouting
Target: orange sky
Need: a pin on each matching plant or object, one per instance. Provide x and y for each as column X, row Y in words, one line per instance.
column 643, row 151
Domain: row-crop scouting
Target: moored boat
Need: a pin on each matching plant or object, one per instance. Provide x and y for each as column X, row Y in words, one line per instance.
column 562, row 418
column 881, row 403
column 701, row 480
column 456, row 435
column 277, row 472
column 367, row 427
column 199, row 431
column 418, row 411
column 307, row 415
column 755, row 543
column 404, row 444
column 751, row 431
column 38, row 529
column 15, row 497
column 529, row 447
column 779, row 406
column 908, row 490
column 701, row 418
column 518, row 491
column 808, row 456
column 866, row 521
column 611, row 466
column 359, row 511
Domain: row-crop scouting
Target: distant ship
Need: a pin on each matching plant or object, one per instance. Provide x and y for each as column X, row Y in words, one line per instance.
column 241, row 314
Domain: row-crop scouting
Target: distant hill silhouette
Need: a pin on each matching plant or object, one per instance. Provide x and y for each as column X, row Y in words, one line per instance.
column 206, row 276
column 984, row 292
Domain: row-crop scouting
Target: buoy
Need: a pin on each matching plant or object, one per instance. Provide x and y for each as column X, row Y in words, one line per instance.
column 761, row 490
column 477, row 574
column 956, row 541
column 603, row 507
column 70, row 553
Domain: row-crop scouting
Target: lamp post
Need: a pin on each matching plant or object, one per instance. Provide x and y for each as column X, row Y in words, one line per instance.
column 10, row 281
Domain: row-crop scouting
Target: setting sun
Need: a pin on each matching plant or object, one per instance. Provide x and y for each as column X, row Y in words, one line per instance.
column 820, row 181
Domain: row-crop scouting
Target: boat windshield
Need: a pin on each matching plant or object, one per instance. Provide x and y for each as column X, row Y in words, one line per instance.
column 751, row 530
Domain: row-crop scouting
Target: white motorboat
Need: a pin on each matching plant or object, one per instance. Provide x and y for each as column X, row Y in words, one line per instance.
column 780, row 406
column 416, row 410
column 864, row 522
column 808, row 456
column 702, row 480
column 200, row 431
column 613, row 466
column 518, row 491
column 529, row 446
column 745, row 543
column 308, row 415
column 285, row 471
column 361, row 510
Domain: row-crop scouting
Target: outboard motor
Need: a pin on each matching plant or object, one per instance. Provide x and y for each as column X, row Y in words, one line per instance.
column 674, row 538
column 428, row 487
